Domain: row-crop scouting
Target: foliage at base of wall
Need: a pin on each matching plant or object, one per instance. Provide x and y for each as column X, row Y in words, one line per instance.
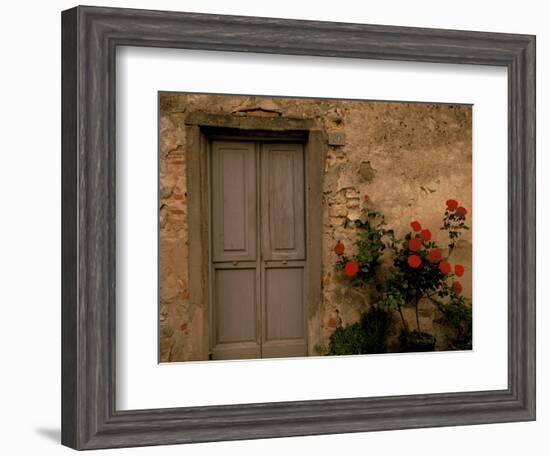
column 457, row 317
column 369, row 335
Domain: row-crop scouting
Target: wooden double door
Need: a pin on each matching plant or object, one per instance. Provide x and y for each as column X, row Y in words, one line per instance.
column 258, row 250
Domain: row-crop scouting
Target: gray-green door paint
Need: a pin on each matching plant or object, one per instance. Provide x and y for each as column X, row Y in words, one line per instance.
column 258, row 250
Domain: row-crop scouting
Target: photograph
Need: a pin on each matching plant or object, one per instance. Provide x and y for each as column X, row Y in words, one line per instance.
column 328, row 226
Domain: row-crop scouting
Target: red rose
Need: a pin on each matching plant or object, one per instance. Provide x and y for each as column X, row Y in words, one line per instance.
column 366, row 197
column 414, row 261
column 444, row 267
column 452, row 204
column 416, row 226
column 425, row 235
column 434, row 255
column 414, row 244
column 456, row 287
column 461, row 212
column 459, row 270
column 339, row 248
column 351, row 268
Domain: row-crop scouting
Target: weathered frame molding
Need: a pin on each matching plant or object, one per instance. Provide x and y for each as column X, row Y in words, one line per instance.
column 198, row 129
column 90, row 36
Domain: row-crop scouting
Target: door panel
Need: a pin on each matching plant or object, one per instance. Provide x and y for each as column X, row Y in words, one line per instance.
column 235, row 305
column 234, row 201
column 235, row 297
column 283, row 250
column 284, row 295
column 234, row 314
column 282, row 189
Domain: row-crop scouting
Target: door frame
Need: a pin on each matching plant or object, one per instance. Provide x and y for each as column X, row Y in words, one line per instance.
column 200, row 128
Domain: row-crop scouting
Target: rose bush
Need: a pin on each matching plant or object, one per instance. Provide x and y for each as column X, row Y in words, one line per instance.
column 420, row 268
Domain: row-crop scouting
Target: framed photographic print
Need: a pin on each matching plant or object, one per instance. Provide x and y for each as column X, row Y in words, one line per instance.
column 278, row 228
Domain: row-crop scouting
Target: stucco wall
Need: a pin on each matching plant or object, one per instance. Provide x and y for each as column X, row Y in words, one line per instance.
column 408, row 157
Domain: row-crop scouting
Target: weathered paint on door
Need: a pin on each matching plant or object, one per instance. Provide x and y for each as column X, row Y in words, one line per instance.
column 258, row 250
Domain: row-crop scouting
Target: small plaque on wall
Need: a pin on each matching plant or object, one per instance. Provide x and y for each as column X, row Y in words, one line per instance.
column 336, row 138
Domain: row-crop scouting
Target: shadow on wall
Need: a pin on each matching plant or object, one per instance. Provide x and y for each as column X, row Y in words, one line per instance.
column 51, row 434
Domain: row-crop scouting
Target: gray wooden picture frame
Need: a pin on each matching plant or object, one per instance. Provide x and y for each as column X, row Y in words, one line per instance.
column 90, row 36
